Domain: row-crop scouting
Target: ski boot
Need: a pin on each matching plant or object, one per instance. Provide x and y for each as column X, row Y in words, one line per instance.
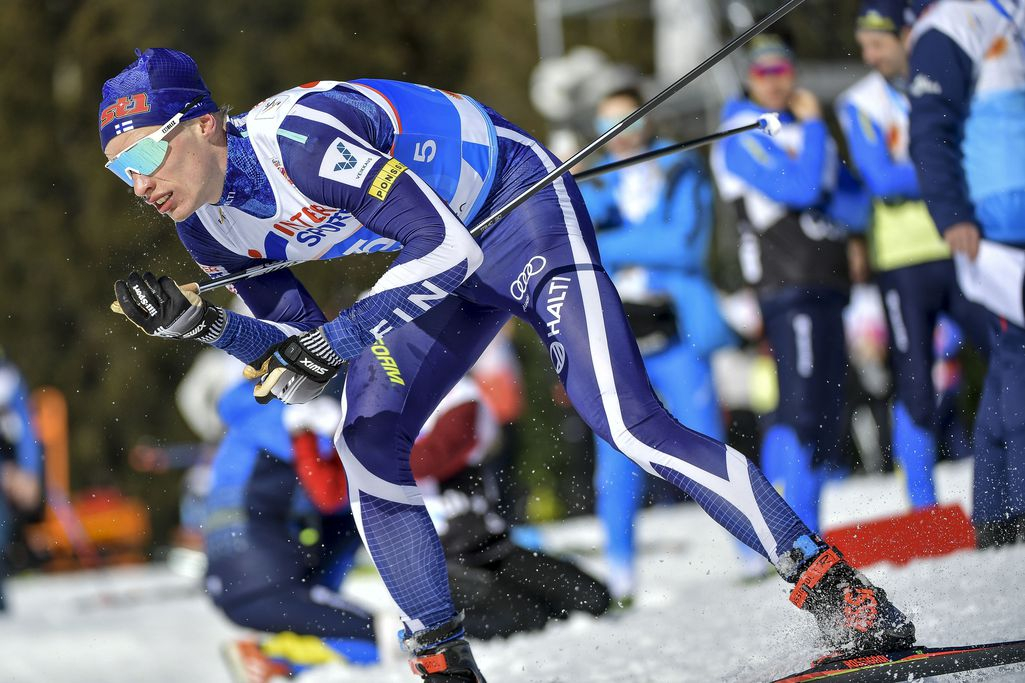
column 442, row 655
column 855, row 616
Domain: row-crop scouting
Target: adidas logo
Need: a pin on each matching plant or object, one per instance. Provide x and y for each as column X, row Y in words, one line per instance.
column 348, row 159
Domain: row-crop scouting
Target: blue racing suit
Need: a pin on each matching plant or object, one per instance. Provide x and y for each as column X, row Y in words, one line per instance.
column 914, row 270
column 967, row 97
column 335, row 168
column 655, row 225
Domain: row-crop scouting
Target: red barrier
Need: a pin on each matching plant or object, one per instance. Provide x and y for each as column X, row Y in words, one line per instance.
column 928, row 532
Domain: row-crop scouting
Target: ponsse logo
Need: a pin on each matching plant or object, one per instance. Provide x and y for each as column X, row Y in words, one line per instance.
column 310, row 225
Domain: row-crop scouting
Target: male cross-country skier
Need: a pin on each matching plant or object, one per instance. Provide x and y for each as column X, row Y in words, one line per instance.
column 333, row 168
column 915, row 271
column 967, row 94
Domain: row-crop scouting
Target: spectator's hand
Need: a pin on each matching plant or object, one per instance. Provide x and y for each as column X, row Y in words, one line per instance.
column 804, row 105
column 19, row 486
column 963, row 238
column 857, row 260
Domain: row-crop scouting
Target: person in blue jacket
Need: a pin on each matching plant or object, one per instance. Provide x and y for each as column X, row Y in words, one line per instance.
column 795, row 207
column 21, row 460
column 259, row 574
column 913, row 265
column 967, row 93
column 654, row 223
column 331, row 168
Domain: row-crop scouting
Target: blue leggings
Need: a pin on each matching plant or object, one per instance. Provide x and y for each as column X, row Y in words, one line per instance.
column 998, row 490
column 540, row 264
column 915, row 296
column 805, row 329
column 683, row 381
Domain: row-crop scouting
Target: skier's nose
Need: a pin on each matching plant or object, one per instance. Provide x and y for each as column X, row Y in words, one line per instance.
column 142, row 185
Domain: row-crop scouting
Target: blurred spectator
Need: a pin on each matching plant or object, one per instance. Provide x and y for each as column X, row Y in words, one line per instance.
column 279, row 543
column 654, row 223
column 21, row 463
column 967, row 130
column 793, row 201
column 503, row 587
column 915, row 272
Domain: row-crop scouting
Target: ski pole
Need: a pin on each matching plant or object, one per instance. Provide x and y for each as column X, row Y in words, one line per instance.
column 638, row 113
column 769, row 123
column 587, row 151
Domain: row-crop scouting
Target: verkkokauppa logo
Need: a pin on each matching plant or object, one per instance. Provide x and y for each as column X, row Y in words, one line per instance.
column 344, row 162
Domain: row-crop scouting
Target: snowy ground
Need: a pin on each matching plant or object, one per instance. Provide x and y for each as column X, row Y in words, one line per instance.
column 695, row 619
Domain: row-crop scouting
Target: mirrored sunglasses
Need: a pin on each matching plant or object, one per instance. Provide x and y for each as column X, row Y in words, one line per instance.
column 145, row 156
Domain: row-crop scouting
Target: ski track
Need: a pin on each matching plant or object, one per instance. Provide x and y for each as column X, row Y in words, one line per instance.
column 694, row 620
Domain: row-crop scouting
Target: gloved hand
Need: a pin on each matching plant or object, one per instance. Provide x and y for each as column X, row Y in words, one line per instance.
column 296, row 370
column 159, row 307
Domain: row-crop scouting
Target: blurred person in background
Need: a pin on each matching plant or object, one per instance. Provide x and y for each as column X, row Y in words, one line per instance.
column 795, row 207
column 326, row 170
column 654, row 223
column 279, row 544
column 501, row 587
column 21, row 460
column 967, row 139
column 913, row 265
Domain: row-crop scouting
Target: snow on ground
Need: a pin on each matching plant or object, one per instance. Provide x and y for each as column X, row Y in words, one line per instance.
column 695, row 619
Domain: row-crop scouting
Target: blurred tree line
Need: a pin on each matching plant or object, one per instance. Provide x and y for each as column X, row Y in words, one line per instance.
column 71, row 229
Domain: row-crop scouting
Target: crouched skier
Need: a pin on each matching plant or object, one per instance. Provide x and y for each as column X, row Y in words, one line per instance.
column 329, row 169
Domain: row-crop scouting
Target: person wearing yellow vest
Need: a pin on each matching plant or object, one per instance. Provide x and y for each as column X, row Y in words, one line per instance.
column 913, row 264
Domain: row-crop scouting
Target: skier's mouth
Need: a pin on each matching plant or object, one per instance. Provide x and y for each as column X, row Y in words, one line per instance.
column 163, row 204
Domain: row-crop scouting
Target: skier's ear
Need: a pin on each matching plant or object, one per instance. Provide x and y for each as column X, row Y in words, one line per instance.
column 209, row 124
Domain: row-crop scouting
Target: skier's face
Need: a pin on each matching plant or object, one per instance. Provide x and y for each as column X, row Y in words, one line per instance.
column 771, row 83
column 192, row 172
column 611, row 111
column 884, row 52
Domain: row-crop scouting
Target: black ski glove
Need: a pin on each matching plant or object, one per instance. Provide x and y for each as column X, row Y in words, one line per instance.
column 296, row 370
column 159, row 307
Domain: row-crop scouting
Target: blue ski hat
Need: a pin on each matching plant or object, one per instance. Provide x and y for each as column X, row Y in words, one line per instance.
column 150, row 91
column 888, row 16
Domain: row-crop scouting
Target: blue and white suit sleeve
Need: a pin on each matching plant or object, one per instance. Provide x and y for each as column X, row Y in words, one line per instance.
column 438, row 252
column 793, row 181
column 940, row 95
column 280, row 304
column 885, row 177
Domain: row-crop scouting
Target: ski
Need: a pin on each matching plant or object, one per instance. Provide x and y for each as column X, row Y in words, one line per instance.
column 918, row 662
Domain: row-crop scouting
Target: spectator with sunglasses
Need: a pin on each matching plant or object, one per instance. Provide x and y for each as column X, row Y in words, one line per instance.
column 794, row 206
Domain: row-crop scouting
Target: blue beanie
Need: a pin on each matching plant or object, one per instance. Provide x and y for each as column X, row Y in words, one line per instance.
column 150, row 91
